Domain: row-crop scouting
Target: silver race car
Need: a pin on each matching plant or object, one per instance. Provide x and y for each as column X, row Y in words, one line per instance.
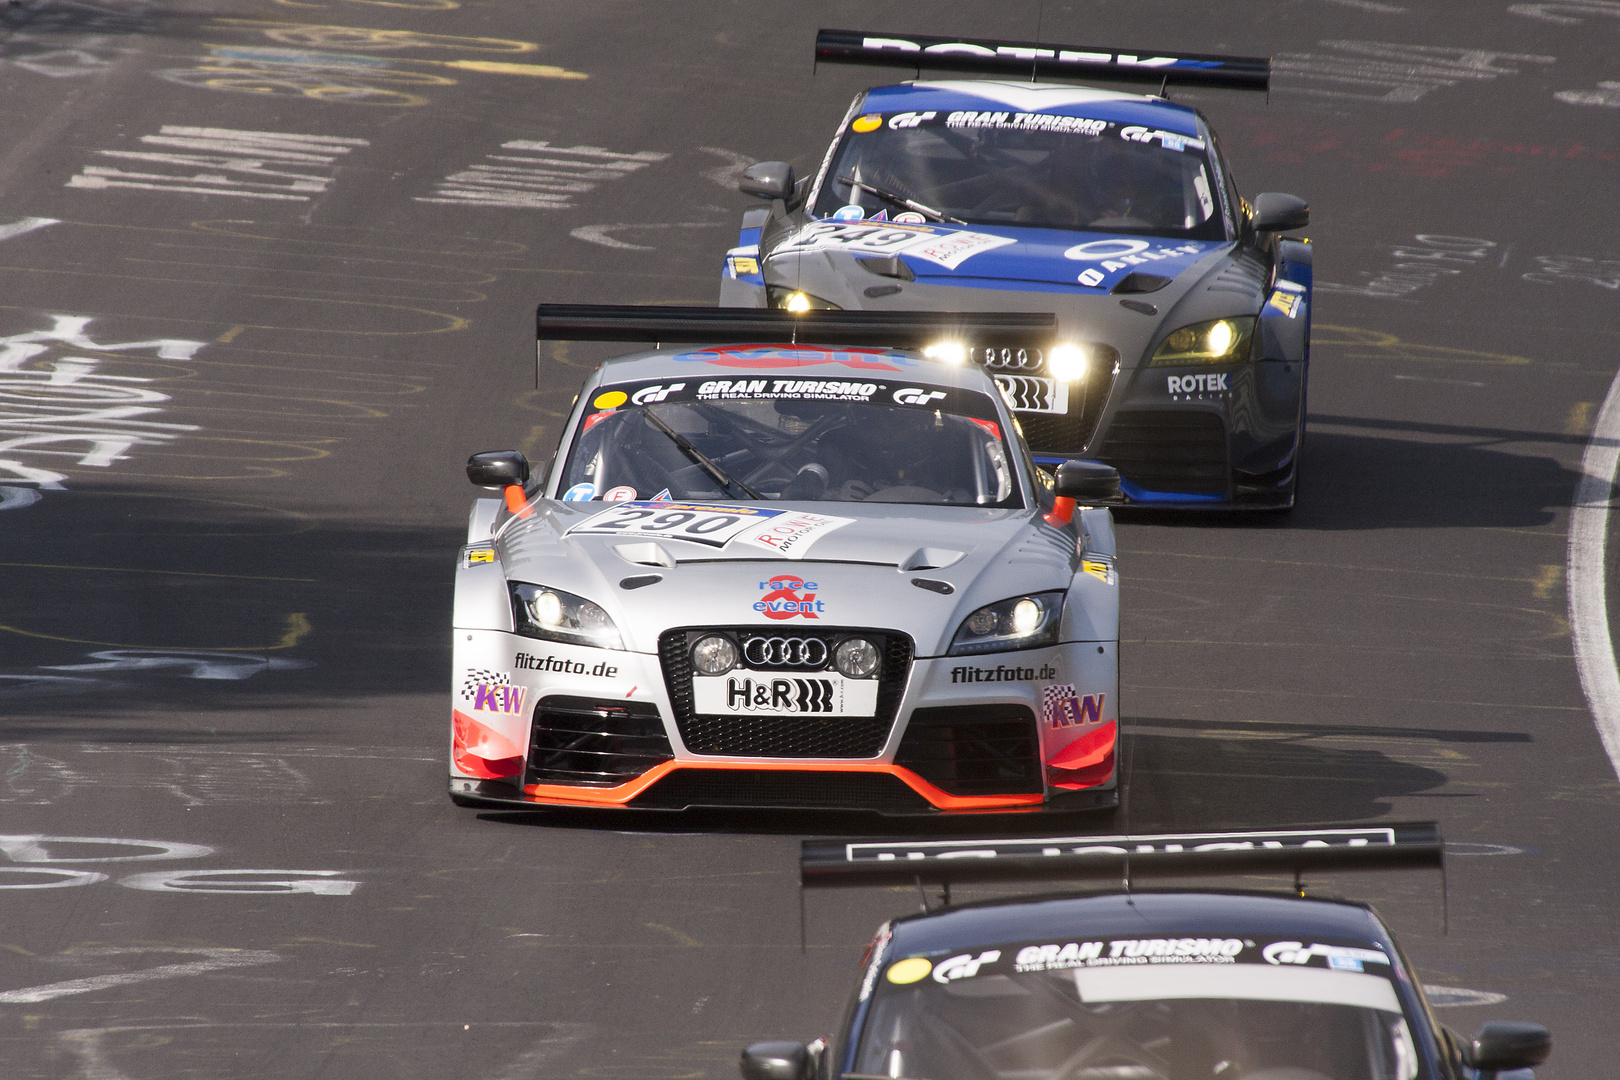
column 820, row 575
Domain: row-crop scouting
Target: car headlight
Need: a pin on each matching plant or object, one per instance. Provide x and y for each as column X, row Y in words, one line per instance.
column 1022, row 622
column 1218, row 341
column 715, row 654
column 786, row 299
column 542, row 612
column 1067, row 362
column 856, row 658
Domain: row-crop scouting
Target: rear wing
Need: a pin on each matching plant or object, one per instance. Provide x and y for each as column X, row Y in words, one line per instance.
column 767, row 326
column 1031, row 59
column 834, row 864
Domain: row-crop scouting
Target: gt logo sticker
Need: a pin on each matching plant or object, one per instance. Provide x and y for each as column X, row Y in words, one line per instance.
column 965, row 966
column 649, row 394
column 912, row 395
column 909, row 119
column 1170, row 140
column 787, row 597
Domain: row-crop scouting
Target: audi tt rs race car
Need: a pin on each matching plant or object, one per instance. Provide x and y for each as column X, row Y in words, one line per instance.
column 1184, row 315
column 804, row 575
column 1133, row 984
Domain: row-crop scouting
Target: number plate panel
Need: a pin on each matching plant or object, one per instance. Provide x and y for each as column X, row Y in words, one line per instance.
column 1034, row 393
column 764, row 693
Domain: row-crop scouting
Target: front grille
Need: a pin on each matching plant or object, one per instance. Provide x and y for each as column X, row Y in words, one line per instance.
column 685, row 788
column 1026, row 361
column 974, row 749
column 595, row 743
column 788, row 735
column 1069, row 433
column 1181, row 451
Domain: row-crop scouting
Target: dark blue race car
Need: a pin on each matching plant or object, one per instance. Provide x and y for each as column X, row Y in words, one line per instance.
column 1132, row 984
column 1184, row 315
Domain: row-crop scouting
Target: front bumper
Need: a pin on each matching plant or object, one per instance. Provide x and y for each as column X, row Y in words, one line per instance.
column 584, row 727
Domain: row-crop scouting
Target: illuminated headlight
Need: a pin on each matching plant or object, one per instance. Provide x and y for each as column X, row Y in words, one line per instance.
column 714, row 655
column 856, row 658
column 1067, row 363
column 1219, row 341
column 1023, row 622
column 947, row 352
column 785, row 299
column 541, row 612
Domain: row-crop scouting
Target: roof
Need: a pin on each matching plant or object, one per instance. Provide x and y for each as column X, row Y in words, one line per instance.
column 1138, row 914
column 1057, row 99
column 796, row 361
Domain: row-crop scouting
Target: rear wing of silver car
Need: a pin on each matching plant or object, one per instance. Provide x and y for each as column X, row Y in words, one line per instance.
column 1032, row 60
column 767, row 326
column 843, row 863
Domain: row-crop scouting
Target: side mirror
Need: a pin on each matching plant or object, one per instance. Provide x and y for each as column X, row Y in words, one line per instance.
column 1087, row 481
column 1503, row 1045
column 776, row 1061
column 1275, row 212
column 498, row 468
column 768, row 180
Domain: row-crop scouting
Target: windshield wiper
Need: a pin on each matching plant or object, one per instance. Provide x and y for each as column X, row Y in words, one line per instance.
column 901, row 200
column 699, row 458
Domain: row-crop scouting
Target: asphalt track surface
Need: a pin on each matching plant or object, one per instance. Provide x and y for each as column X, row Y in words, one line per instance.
column 258, row 363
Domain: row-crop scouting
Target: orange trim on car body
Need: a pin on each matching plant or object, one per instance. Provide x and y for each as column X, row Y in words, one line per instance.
column 622, row 794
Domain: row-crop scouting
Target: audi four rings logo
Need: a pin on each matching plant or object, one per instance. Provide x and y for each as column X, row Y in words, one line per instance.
column 1010, row 359
column 785, row 652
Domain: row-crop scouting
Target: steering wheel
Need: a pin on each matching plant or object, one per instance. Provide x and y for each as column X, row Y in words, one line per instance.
column 1114, row 1058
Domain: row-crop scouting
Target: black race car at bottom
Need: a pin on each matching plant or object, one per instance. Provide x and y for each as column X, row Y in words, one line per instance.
column 1140, row 985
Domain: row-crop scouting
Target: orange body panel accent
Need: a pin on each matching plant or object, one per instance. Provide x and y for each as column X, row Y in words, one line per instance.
column 1062, row 512
column 623, row 793
column 1088, row 749
column 515, row 501
column 480, row 751
column 1090, row 776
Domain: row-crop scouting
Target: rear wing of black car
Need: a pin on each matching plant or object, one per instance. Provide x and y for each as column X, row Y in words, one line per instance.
column 769, row 326
column 844, row 863
column 1031, row 60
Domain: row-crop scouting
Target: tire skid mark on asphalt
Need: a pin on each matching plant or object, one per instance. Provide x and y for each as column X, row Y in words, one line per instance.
column 296, row 628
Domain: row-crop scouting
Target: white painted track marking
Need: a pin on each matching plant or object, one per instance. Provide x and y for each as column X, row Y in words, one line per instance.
column 26, row 225
column 214, row 960
column 1588, row 602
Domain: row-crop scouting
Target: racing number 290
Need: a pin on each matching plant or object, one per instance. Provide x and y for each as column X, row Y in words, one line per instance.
column 698, row 524
column 677, row 522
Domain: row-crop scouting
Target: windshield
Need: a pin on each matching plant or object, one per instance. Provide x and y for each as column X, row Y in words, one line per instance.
column 1192, row 1017
column 1031, row 169
column 801, row 440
